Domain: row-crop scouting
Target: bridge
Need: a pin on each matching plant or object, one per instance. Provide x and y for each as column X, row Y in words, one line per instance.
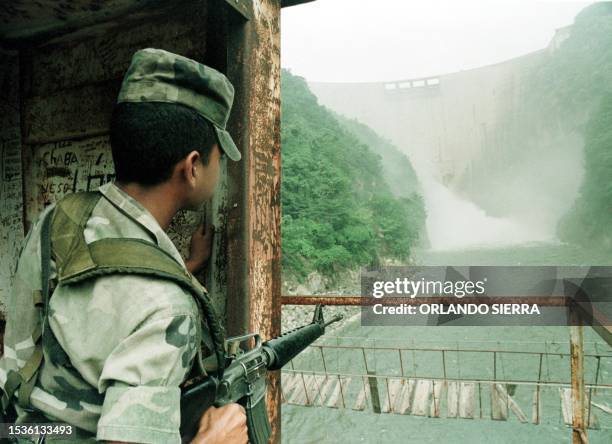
column 446, row 388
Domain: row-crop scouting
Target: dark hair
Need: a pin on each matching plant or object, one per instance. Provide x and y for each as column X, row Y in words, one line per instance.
column 149, row 138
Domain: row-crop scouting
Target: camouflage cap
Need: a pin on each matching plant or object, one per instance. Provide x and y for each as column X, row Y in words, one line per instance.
column 156, row 75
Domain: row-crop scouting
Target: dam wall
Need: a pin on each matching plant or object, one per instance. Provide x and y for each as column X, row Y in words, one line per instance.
column 446, row 120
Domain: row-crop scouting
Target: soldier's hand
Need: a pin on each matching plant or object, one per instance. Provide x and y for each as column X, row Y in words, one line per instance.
column 200, row 248
column 223, row 425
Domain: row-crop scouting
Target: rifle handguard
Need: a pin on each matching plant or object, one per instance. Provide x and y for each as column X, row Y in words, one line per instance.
column 244, row 379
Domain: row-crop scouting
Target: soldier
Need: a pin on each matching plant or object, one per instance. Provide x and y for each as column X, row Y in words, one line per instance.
column 120, row 334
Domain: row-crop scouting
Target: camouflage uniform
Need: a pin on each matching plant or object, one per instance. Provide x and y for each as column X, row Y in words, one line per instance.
column 131, row 339
column 128, row 341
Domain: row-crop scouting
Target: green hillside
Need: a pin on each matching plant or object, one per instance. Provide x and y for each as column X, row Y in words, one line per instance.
column 571, row 81
column 339, row 212
column 399, row 173
column 590, row 220
column 585, row 61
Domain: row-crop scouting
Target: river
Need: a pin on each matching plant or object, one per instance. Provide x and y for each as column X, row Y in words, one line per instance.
column 304, row 425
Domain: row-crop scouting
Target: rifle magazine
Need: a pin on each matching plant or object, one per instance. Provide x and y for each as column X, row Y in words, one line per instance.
column 257, row 421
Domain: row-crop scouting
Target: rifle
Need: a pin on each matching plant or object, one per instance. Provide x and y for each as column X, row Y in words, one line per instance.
column 243, row 379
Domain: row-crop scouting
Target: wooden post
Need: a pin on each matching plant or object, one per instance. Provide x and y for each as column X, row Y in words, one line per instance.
column 579, row 433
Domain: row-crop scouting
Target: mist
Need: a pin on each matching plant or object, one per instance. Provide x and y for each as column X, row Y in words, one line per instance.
column 494, row 169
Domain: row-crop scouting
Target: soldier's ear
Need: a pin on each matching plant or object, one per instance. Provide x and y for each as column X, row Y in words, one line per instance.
column 191, row 161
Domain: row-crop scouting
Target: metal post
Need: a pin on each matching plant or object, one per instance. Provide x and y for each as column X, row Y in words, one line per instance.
column 444, row 363
column 597, row 373
column 536, row 407
column 323, row 360
column 480, row 400
column 495, row 366
column 373, row 383
column 253, row 247
column 579, row 432
column 341, row 392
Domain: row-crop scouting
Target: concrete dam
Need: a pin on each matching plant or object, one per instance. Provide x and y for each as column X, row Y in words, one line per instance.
column 461, row 131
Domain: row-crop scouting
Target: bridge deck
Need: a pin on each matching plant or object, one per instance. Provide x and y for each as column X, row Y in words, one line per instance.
column 433, row 397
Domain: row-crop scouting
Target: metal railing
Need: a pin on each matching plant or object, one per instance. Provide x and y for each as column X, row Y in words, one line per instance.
column 576, row 401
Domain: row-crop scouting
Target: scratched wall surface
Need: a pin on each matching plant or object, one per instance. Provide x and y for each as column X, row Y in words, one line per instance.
column 11, row 208
column 68, row 89
column 69, row 166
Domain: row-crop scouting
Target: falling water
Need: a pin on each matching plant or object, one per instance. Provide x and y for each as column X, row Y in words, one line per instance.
column 456, row 223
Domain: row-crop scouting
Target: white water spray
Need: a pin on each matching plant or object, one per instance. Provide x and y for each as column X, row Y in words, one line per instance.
column 455, row 223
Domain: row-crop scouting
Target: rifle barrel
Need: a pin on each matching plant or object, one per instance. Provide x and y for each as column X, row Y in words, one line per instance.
column 334, row 319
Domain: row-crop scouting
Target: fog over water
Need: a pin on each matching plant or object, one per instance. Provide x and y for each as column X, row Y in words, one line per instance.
column 533, row 201
column 444, row 83
column 454, row 222
column 487, row 177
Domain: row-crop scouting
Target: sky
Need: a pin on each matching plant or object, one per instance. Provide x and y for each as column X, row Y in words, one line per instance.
column 384, row 40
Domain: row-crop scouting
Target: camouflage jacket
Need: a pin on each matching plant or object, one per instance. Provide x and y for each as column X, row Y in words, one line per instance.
column 130, row 339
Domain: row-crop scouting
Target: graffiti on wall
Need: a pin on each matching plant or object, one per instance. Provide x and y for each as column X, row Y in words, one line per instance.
column 70, row 166
column 84, row 165
column 11, row 208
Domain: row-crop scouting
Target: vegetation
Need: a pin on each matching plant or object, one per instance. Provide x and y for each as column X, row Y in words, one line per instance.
column 566, row 84
column 339, row 212
column 590, row 221
column 399, row 173
column 585, row 87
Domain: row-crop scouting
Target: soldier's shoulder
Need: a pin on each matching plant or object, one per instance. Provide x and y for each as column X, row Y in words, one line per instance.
column 119, row 304
column 107, row 221
column 152, row 296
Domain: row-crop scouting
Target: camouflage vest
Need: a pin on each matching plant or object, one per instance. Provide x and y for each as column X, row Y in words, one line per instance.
column 76, row 261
